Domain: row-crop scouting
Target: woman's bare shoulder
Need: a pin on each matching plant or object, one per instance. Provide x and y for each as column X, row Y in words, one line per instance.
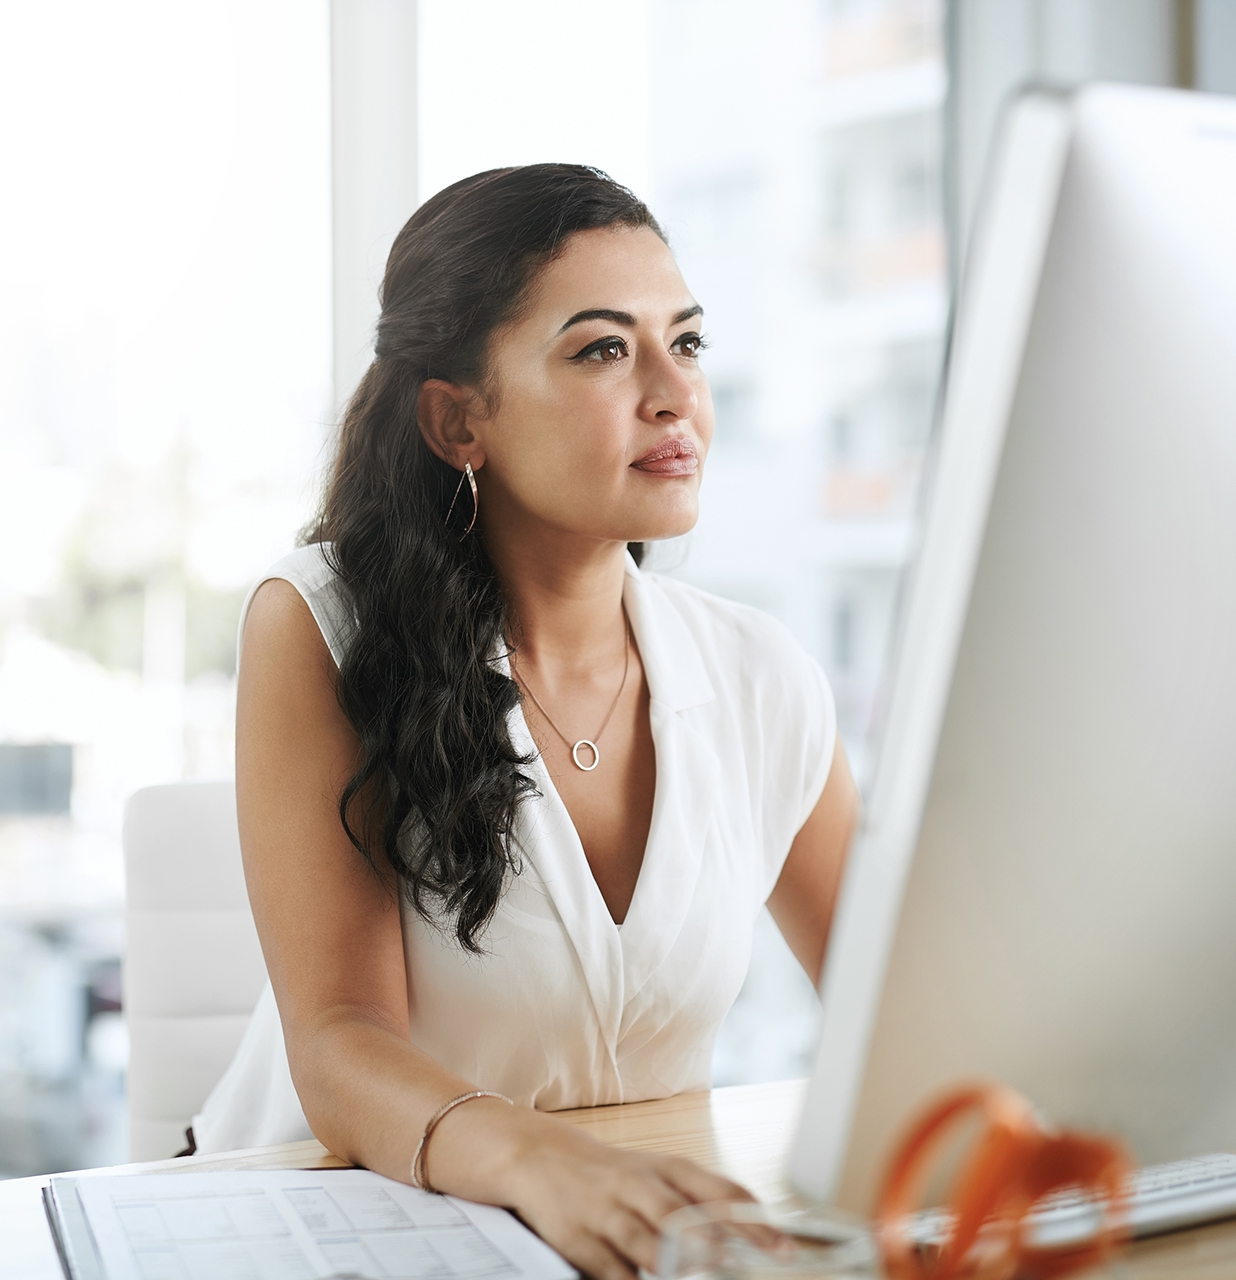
column 280, row 628
column 287, row 679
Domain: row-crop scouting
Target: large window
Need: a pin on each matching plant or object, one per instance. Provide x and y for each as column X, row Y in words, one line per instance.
column 164, row 396
column 166, row 361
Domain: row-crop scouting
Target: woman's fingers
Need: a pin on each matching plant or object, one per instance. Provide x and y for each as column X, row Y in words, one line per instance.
column 652, row 1196
column 624, row 1212
column 633, row 1236
column 645, row 1201
column 698, row 1185
column 597, row 1259
column 703, row 1186
column 600, row 1207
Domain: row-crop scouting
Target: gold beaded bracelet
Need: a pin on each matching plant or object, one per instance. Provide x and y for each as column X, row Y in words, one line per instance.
column 419, row 1177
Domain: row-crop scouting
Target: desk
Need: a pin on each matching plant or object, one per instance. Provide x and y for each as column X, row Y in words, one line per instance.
column 742, row 1132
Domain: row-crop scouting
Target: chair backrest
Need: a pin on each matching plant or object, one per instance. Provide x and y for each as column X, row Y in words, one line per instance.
column 193, row 968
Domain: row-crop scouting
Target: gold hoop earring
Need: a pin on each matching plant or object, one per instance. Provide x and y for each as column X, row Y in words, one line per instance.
column 471, row 479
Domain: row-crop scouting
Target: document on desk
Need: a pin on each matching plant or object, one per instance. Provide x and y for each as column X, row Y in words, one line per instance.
column 288, row 1225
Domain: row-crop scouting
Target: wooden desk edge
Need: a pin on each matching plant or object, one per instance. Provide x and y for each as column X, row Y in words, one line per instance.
column 660, row 1124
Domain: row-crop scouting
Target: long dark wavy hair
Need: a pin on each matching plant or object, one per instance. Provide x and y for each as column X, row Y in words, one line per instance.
column 439, row 780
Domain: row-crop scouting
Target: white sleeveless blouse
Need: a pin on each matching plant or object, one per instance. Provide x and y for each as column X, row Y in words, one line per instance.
column 566, row 1008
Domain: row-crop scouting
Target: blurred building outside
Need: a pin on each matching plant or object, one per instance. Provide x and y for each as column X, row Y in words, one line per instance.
column 166, row 390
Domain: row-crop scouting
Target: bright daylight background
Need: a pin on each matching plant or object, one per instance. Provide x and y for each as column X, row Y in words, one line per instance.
column 166, row 398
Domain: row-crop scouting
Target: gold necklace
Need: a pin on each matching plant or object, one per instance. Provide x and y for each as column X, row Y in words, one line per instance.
column 590, row 743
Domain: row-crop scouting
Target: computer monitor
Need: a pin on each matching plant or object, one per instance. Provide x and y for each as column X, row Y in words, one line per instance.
column 1044, row 888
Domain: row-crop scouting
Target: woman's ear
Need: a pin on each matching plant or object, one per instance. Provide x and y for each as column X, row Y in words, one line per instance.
column 444, row 415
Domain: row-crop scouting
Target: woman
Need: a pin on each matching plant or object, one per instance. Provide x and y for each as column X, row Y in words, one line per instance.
column 509, row 807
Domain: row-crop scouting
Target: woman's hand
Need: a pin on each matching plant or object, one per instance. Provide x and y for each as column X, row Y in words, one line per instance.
column 601, row 1207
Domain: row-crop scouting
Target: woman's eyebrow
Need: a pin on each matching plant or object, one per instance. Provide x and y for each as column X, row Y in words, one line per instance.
column 600, row 313
column 625, row 317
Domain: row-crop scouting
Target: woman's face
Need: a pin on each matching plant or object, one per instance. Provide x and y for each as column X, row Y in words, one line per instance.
column 600, row 416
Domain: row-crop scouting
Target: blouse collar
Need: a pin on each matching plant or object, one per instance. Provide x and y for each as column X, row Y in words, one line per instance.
column 673, row 664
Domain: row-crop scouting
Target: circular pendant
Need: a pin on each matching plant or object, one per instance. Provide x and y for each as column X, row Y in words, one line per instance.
column 596, row 755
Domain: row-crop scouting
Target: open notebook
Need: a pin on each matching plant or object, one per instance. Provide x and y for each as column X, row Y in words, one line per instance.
column 285, row 1225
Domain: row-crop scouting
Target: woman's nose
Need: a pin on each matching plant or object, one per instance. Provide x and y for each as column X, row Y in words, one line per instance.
column 669, row 395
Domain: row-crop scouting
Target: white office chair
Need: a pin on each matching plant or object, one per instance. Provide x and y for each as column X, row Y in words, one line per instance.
column 193, row 969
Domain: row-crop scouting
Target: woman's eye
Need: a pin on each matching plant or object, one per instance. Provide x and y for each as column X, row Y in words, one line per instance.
column 689, row 344
column 606, row 351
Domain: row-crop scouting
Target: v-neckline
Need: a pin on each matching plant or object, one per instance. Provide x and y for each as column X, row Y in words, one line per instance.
column 617, row 961
column 551, row 793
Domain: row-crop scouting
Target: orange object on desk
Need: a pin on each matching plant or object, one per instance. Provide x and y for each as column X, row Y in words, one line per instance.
column 1015, row 1163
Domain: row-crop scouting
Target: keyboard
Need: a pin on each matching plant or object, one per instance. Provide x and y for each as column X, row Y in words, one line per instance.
column 1165, row 1197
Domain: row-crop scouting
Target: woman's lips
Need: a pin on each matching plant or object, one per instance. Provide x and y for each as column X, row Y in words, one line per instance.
column 670, row 458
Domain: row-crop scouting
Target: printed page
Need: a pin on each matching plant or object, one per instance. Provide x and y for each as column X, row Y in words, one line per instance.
column 303, row 1225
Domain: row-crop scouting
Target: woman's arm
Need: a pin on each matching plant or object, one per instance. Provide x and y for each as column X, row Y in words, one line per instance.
column 331, row 935
column 805, row 895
